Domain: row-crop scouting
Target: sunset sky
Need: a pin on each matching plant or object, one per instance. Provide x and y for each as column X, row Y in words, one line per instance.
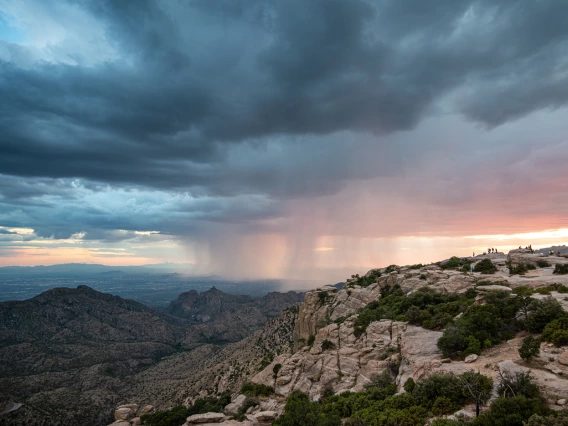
column 281, row 139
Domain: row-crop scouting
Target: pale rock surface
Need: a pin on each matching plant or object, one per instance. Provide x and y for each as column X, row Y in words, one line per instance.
column 205, row 418
column 563, row 358
column 125, row 412
column 235, row 405
column 265, row 416
column 470, row 358
column 147, row 409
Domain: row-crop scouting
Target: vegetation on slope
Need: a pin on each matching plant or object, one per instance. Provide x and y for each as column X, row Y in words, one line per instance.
column 425, row 307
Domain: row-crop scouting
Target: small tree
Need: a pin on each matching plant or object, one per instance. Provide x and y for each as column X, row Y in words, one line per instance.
column 529, row 348
column 485, row 267
column 524, row 296
column 478, row 386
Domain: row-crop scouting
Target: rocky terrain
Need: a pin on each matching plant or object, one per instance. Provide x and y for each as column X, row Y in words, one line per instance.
column 319, row 347
column 221, row 317
column 70, row 355
column 326, row 355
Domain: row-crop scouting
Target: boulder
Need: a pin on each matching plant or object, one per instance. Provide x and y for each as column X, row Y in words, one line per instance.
column 120, row 423
column 206, row 418
column 563, row 358
column 233, row 407
column 265, row 416
column 147, row 409
column 125, row 412
column 470, row 358
column 561, row 402
column 136, row 421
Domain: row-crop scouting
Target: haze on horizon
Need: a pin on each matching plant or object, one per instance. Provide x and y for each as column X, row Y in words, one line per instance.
column 270, row 139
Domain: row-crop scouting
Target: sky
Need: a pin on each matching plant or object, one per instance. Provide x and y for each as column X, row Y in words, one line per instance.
column 306, row 139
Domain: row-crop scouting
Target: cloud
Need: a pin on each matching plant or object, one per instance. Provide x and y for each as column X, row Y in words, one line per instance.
column 223, row 123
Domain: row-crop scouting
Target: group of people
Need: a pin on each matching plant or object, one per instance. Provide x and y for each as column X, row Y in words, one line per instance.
column 529, row 248
column 551, row 253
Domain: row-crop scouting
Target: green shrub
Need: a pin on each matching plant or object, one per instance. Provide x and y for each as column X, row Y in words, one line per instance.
column 561, row 269
column 520, row 269
column 327, row 344
column 390, row 268
column 488, row 324
column 529, row 348
column 177, row 415
column 417, row 266
column 276, row 369
column 556, row 331
column 446, row 385
column 173, row 417
column 542, row 263
column 311, row 339
column 443, row 405
column 485, row 267
column 425, row 307
column 517, row 384
column 300, row 411
column 323, row 295
column 512, row 411
column 560, row 418
column 541, row 312
column 256, row 389
column 455, row 263
column 409, row 385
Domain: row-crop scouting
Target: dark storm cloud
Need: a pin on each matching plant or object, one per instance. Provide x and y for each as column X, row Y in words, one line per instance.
column 217, row 99
column 317, row 68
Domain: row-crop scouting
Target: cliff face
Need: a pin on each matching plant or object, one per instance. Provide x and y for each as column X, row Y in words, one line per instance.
column 338, row 360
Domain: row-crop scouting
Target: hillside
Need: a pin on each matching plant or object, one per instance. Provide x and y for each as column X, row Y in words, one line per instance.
column 70, row 354
column 401, row 325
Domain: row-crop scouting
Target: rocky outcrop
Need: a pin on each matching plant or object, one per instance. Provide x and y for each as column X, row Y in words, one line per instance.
column 205, row 418
column 348, row 362
column 129, row 414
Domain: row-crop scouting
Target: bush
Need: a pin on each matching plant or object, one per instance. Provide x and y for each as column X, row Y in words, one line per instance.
column 517, row 384
column 323, row 295
column 529, row 348
column 326, row 344
column 424, row 307
column 541, row 312
column 173, row 417
column 556, row 331
column 276, row 369
column 300, row 411
column 485, row 267
column 520, row 269
column 559, row 418
column 417, row 266
column 511, row 411
column 256, row 389
column 481, row 326
column 446, row 385
column 561, row 269
column 311, row 339
column 455, row 263
column 390, row 268
column 542, row 263
column 177, row 415
column 443, row 405
column 409, row 385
